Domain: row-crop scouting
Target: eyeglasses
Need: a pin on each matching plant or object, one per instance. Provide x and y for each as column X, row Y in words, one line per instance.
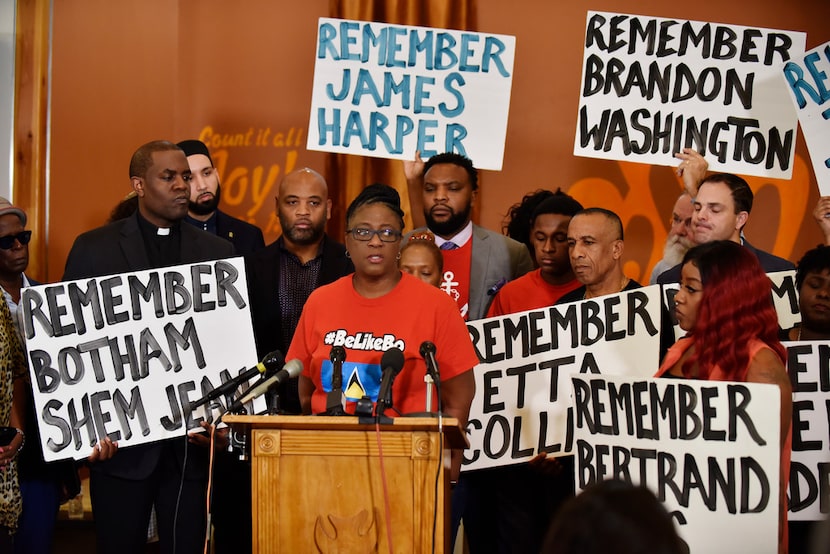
column 365, row 235
column 23, row 237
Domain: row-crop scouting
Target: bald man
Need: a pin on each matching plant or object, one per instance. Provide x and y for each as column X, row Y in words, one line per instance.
column 283, row 274
column 595, row 245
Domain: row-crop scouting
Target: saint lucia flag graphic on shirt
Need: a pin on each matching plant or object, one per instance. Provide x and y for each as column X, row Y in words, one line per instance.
column 358, row 379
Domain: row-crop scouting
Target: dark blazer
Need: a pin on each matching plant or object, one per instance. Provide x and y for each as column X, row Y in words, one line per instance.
column 119, row 248
column 246, row 238
column 263, row 271
column 769, row 262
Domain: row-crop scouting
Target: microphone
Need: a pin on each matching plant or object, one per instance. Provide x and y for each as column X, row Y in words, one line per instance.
column 432, row 378
column 269, row 362
column 392, row 363
column 336, row 400
column 428, row 353
column 291, row 369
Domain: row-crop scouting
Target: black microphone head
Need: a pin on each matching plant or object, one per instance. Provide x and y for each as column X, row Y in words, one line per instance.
column 427, row 347
column 272, row 361
column 392, row 358
column 337, row 354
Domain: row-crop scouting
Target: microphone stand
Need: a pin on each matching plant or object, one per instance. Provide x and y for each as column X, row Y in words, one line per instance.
column 429, row 384
column 273, row 400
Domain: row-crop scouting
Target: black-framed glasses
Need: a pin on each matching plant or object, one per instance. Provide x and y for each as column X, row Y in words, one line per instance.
column 365, row 235
column 23, row 237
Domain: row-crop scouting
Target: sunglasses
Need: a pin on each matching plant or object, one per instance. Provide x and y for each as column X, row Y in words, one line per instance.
column 23, row 237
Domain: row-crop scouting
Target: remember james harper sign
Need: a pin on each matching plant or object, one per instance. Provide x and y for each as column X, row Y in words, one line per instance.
column 122, row 356
column 387, row 90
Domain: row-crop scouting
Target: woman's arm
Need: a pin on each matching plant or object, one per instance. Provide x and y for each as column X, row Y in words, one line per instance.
column 766, row 367
column 306, row 389
column 457, row 395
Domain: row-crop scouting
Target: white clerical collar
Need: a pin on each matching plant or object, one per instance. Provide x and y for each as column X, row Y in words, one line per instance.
column 163, row 231
column 459, row 239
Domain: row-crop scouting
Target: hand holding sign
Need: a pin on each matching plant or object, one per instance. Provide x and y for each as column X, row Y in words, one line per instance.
column 104, row 450
column 692, row 169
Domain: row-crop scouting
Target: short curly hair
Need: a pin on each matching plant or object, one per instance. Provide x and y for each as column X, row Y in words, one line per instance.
column 455, row 159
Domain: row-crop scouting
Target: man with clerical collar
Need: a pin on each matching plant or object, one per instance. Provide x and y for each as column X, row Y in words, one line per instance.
column 203, row 209
column 125, row 485
column 477, row 262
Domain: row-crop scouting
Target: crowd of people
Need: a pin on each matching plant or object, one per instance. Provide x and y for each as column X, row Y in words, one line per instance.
column 413, row 287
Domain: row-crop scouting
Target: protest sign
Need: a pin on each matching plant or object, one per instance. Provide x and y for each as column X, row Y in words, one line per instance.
column 784, row 298
column 522, row 395
column 123, row 356
column 652, row 86
column 809, row 367
column 708, row 450
column 809, row 88
column 387, row 91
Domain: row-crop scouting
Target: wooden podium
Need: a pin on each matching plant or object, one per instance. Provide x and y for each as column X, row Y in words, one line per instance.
column 317, row 485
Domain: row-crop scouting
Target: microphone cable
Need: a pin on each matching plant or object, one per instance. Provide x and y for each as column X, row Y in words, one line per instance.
column 385, row 489
column 440, row 466
column 179, row 493
column 209, row 495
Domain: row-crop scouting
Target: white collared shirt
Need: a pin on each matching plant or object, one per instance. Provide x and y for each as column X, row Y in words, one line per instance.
column 459, row 239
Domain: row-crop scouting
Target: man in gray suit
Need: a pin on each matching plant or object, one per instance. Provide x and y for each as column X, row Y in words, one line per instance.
column 477, row 262
column 171, row 474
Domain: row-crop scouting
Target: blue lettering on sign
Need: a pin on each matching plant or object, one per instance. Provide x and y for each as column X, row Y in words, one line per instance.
column 800, row 86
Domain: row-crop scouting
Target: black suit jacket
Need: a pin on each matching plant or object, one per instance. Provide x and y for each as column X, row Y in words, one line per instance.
column 246, row 238
column 263, row 273
column 769, row 262
column 119, row 248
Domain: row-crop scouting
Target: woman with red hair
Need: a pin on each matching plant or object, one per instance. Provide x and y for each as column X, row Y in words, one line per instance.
column 724, row 304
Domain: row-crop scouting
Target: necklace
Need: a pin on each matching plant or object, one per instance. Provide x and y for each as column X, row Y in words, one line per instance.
column 623, row 284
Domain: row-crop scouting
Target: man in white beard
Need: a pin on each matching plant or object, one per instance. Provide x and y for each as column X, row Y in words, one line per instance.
column 680, row 237
column 691, row 170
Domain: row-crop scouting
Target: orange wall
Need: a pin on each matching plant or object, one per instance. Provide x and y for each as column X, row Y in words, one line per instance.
column 126, row 73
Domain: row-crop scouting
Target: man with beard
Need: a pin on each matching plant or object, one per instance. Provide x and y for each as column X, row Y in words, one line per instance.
column 205, row 192
column 679, row 239
column 282, row 275
column 692, row 170
column 477, row 262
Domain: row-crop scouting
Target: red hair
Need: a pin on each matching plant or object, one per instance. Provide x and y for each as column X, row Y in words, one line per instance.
column 736, row 306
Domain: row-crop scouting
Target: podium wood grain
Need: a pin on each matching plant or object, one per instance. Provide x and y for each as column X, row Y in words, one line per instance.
column 317, row 487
